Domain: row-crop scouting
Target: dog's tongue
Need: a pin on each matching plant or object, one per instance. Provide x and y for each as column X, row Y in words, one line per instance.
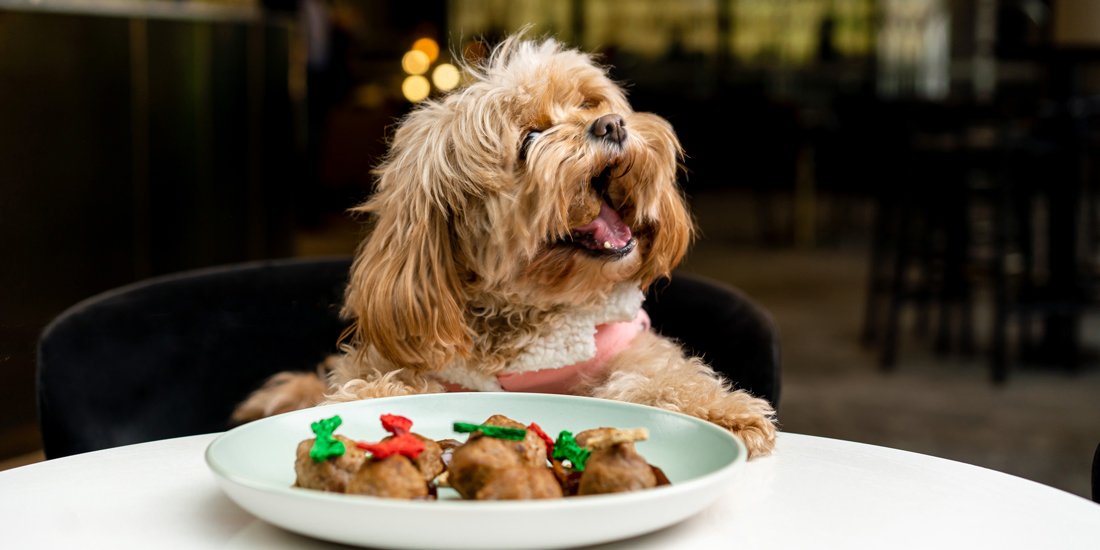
column 608, row 230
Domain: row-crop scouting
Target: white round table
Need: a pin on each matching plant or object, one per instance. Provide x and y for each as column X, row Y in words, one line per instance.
column 811, row 493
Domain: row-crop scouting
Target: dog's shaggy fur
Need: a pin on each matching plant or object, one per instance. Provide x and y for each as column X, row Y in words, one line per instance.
column 483, row 244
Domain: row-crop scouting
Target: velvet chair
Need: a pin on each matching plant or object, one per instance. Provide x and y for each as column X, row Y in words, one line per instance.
column 172, row 356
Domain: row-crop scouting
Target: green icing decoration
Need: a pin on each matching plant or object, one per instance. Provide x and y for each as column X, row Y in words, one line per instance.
column 499, row 432
column 566, row 448
column 326, row 446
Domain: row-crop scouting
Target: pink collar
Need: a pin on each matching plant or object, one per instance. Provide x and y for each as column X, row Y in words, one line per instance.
column 611, row 338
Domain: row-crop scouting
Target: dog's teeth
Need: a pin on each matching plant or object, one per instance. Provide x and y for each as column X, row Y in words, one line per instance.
column 606, row 244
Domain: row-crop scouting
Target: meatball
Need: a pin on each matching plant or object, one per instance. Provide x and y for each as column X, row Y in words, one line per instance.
column 615, row 465
column 328, row 475
column 520, row 483
column 616, row 469
column 392, row 477
column 430, row 460
column 491, row 468
column 532, row 449
column 473, row 462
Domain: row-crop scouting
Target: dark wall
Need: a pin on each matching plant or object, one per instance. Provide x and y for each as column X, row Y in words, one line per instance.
column 130, row 147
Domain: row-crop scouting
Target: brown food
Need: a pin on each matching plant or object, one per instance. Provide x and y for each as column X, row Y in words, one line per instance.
column 448, row 444
column 532, row 449
column 330, row 475
column 485, row 468
column 430, row 460
column 474, row 464
column 600, row 438
column 568, row 479
column 660, row 476
column 520, row 483
column 616, row 469
column 355, row 473
column 393, row 477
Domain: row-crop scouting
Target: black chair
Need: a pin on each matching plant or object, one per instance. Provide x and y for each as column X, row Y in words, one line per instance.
column 172, row 356
column 722, row 325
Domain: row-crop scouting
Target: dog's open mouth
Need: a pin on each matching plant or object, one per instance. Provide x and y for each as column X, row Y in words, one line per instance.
column 606, row 235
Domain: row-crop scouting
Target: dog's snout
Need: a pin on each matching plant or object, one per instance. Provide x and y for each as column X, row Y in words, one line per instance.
column 610, row 127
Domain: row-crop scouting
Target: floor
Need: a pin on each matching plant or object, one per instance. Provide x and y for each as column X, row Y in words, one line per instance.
column 1043, row 425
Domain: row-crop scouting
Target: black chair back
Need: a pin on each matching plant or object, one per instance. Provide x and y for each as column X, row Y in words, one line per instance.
column 733, row 334
column 173, row 355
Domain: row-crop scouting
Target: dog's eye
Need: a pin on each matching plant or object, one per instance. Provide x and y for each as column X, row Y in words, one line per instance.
column 589, row 103
column 528, row 139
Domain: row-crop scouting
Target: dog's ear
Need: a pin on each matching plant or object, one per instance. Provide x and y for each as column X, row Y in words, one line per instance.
column 665, row 215
column 405, row 293
column 671, row 237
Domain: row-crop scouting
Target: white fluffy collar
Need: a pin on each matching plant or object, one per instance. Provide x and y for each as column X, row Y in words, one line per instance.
column 567, row 340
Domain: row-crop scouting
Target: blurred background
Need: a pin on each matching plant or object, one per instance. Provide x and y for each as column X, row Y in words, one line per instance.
column 908, row 186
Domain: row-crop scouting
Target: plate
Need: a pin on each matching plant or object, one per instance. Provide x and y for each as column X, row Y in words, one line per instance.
column 254, row 465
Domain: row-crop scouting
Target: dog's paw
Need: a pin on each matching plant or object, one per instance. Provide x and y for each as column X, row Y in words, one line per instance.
column 749, row 418
column 284, row 392
column 758, row 434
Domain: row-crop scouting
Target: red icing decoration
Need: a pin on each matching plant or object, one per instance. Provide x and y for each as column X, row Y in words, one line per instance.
column 405, row 444
column 395, row 424
column 542, row 435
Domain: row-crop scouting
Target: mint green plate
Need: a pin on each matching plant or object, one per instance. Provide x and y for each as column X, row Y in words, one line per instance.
column 254, row 465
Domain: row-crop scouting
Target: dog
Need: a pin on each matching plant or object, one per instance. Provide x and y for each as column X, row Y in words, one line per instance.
column 516, row 223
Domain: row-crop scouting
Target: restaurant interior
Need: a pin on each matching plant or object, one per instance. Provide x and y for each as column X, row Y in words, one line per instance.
column 909, row 188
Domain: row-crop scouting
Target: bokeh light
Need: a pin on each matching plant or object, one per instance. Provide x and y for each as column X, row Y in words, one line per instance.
column 415, row 62
column 415, row 88
column 445, row 76
column 429, row 47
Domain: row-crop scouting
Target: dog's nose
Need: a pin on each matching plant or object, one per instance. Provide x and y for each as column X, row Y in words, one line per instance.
column 610, row 127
